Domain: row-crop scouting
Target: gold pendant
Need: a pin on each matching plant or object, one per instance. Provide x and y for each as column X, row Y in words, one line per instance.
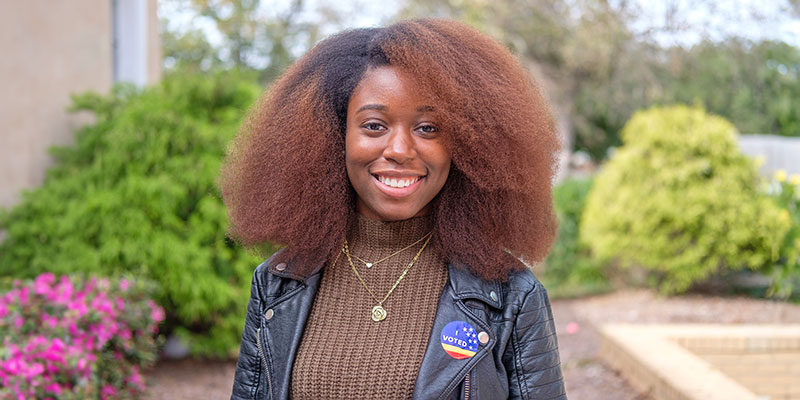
column 378, row 313
column 369, row 265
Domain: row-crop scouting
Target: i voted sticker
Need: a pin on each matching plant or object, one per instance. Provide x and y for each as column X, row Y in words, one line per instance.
column 459, row 340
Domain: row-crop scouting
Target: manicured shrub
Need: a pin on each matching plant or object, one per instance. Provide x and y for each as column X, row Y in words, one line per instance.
column 76, row 339
column 680, row 200
column 136, row 194
column 569, row 269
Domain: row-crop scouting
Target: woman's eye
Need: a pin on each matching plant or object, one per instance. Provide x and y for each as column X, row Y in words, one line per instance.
column 372, row 126
column 428, row 129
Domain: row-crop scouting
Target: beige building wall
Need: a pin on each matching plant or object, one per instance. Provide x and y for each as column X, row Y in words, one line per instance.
column 51, row 49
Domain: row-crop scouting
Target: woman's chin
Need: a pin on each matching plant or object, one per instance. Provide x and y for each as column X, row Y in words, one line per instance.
column 394, row 214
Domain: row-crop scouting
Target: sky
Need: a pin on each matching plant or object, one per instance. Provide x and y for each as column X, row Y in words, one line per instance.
column 711, row 19
column 753, row 19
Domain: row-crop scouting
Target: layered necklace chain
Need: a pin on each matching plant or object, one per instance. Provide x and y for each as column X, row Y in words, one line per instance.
column 374, row 263
column 378, row 312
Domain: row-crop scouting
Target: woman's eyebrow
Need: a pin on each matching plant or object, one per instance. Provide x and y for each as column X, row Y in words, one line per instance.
column 381, row 107
column 378, row 107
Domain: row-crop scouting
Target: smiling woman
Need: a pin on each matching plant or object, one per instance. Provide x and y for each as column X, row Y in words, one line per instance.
column 396, row 159
column 406, row 171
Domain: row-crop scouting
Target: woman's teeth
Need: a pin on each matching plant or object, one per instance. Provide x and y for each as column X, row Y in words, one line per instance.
column 397, row 183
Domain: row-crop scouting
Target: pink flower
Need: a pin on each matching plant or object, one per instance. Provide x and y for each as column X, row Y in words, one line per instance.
column 79, row 306
column 124, row 284
column 135, row 378
column 34, row 370
column 55, row 354
column 91, row 285
column 12, row 367
column 58, row 344
column 3, row 310
column 63, row 291
column 54, row 388
column 73, row 329
column 42, row 283
column 23, row 295
column 108, row 391
column 50, row 321
column 103, row 305
column 18, row 321
column 156, row 312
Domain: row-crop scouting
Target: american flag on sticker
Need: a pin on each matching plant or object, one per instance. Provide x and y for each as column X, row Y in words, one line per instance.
column 459, row 340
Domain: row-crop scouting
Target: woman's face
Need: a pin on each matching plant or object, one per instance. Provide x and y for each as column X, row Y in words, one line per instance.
column 395, row 154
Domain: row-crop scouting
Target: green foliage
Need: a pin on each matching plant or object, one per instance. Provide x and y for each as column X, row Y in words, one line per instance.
column 786, row 272
column 261, row 36
column 754, row 85
column 569, row 269
column 600, row 62
column 679, row 199
column 136, row 194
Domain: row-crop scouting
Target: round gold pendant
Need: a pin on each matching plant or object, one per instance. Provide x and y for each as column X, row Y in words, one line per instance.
column 378, row 313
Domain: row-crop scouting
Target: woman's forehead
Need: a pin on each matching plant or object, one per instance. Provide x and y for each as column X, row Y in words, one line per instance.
column 387, row 84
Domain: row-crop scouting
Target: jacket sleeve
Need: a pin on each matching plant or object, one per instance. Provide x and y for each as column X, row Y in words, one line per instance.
column 536, row 370
column 248, row 369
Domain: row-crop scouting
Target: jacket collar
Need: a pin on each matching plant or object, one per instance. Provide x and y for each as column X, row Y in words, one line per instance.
column 465, row 284
column 468, row 286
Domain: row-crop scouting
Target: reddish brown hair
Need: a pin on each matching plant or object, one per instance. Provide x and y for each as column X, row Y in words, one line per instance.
column 284, row 180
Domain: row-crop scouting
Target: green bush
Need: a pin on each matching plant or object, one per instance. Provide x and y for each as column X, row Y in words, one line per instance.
column 786, row 272
column 680, row 200
column 569, row 269
column 136, row 194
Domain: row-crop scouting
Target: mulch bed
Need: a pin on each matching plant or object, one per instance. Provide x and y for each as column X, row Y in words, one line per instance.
column 585, row 375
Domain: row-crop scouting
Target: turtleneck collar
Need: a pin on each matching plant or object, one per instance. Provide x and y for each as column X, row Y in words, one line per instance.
column 374, row 234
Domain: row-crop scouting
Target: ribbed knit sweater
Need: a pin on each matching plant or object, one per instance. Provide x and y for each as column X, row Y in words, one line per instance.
column 344, row 353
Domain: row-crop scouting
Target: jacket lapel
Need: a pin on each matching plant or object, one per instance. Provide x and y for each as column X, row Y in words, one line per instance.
column 440, row 374
column 282, row 333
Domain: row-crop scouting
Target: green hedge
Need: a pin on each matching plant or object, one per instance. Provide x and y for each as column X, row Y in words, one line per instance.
column 785, row 273
column 679, row 199
column 570, row 270
column 136, row 194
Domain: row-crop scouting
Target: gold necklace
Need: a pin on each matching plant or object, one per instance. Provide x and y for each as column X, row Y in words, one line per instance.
column 378, row 312
column 374, row 263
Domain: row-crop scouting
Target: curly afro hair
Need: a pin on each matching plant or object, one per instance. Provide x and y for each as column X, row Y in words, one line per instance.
column 284, row 180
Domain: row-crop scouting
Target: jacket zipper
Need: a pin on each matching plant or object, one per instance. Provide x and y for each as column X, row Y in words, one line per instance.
column 263, row 359
column 466, row 386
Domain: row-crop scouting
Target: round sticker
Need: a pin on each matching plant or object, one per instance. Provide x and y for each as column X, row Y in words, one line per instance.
column 459, row 340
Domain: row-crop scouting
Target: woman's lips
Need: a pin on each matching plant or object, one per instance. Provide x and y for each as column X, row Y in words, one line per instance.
column 397, row 191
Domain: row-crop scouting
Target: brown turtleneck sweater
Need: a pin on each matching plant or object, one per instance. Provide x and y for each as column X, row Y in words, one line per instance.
column 344, row 353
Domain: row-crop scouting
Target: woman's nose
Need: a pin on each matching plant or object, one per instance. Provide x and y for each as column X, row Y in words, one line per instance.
column 400, row 147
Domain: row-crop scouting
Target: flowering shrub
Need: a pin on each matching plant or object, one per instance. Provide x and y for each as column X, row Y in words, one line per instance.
column 76, row 339
column 786, row 273
column 121, row 200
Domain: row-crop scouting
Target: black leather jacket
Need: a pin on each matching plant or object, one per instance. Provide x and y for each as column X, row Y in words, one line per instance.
column 520, row 359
